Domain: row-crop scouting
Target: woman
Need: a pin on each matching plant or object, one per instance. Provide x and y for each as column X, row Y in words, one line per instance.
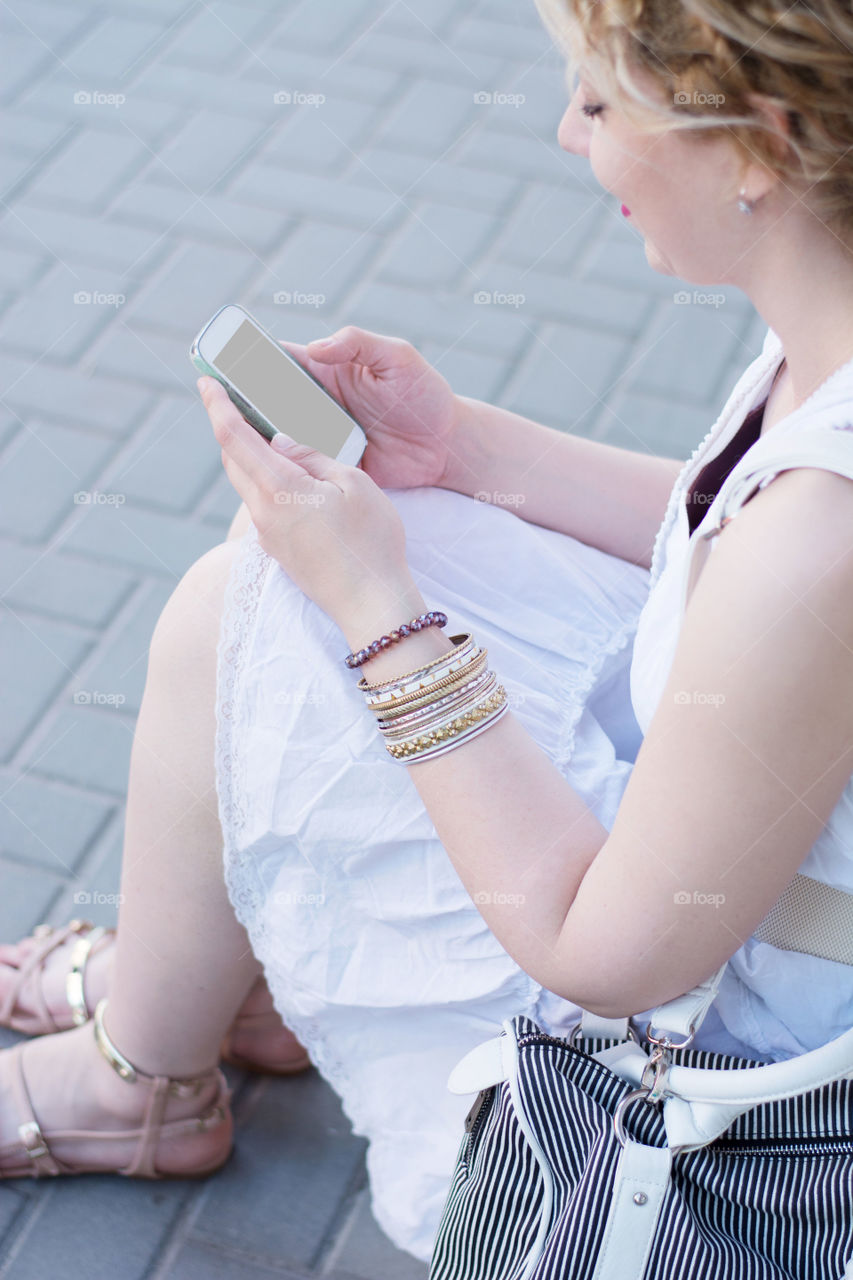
column 401, row 908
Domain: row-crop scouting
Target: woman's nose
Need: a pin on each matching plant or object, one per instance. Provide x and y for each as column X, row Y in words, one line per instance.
column 573, row 131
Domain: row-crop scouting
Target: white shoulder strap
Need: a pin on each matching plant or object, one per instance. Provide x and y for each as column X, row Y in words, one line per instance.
column 829, row 448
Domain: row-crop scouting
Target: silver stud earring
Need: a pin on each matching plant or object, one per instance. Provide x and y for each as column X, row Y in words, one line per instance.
column 745, row 206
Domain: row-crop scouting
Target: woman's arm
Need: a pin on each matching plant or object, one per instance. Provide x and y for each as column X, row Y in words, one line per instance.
column 744, row 761
column 610, row 498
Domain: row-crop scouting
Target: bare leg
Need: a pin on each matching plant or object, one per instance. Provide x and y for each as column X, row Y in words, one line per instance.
column 182, row 962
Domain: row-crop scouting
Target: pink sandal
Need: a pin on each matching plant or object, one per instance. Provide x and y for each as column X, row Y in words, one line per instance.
column 285, row 1057
column 31, row 1156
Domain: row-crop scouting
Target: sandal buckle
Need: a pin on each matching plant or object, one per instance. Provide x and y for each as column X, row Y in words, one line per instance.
column 32, row 1139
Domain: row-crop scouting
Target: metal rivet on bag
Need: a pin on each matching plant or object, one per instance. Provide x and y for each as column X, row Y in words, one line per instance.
column 640, row 1197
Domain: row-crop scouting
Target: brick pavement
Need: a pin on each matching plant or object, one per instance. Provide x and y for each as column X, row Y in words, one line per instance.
column 148, row 176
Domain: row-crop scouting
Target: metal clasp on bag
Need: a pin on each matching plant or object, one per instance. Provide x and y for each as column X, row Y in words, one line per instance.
column 650, row 1090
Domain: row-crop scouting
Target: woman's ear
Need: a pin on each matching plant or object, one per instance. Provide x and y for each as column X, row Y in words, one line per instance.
column 757, row 179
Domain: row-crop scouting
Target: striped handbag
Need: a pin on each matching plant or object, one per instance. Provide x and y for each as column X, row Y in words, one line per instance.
column 570, row 1170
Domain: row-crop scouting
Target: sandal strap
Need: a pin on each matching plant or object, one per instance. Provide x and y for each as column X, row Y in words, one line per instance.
column 50, row 939
column 29, row 1130
column 75, row 981
column 185, row 1087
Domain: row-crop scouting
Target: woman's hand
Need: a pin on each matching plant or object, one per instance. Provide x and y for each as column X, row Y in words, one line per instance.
column 406, row 407
column 329, row 526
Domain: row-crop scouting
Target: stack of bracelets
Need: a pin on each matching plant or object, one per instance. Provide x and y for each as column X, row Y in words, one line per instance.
column 438, row 706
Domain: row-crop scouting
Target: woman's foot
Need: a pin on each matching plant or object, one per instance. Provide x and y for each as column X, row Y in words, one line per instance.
column 65, row 1109
column 51, row 979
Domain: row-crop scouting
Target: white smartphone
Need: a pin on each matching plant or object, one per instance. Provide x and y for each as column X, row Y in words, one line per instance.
column 271, row 389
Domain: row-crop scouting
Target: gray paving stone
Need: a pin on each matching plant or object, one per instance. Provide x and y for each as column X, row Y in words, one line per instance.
column 321, row 196
column 294, row 1163
column 150, row 361
column 321, row 138
column 44, row 471
column 65, row 310
column 164, row 545
column 439, row 245
column 45, row 24
column 75, row 239
column 102, row 105
column 87, row 170
column 20, row 268
column 33, row 133
column 190, row 287
column 193, row 87
column 362, row 1250
column 549, row 227
column 173, row 460
column 174, row 210
column 43, row 654
column 408, row 178
column 429, row 118
column 220, row 37
column 526, row 156
column 652, row 424
column 318, row 261
column 470, row 373
column 121, row 663
column 209, row 148
column 103, row 403
column 28, row 892
column 328, row 25
column 447, row 318
column 422, row 51
column 288, row 68
column 47, row 581
column 585, row 367
column 202, row 1262
column 125, row 1219
column 697, row 342
column 88, row 745
column 25, row 59
column 114, row 48
column 45, row 824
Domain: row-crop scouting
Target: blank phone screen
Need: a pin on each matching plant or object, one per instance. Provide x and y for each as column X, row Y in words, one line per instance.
column 285, row 395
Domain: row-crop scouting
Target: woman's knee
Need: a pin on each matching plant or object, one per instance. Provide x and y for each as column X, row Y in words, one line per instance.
column 239, row 524
column 185, row 639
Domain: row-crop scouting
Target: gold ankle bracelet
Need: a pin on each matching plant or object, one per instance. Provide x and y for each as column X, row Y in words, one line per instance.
column 185, row 1088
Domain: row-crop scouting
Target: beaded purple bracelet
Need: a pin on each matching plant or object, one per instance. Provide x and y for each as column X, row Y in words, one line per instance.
column 433, row 618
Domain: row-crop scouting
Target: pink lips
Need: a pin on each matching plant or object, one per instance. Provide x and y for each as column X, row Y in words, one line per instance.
column 626, row 212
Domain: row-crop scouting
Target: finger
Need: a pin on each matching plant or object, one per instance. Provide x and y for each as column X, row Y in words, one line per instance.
column 243, row 444
column 360, row 346
column 317, row 464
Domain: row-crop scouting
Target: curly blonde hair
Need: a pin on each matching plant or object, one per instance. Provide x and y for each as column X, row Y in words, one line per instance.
column 709, row 56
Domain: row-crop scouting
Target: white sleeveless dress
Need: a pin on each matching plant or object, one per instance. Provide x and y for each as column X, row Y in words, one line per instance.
column 372, row 948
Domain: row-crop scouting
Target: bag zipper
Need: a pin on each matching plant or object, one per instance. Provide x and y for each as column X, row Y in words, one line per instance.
column 476, row 1116
column 786, row 1147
